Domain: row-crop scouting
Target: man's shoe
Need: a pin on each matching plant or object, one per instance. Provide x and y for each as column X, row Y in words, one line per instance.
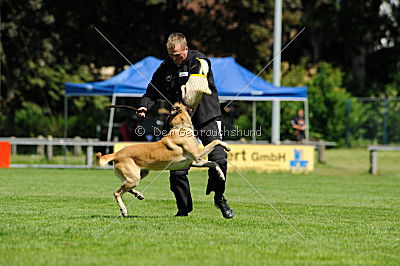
column 226, row 211
column 181, row 213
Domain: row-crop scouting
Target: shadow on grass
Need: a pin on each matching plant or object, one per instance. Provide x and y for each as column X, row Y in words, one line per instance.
column 132, row 216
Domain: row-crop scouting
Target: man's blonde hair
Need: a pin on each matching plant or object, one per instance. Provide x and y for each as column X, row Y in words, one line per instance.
column 175, row 39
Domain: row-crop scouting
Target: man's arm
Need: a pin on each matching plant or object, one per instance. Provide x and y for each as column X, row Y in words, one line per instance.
column 293, row 124
column 296, row 126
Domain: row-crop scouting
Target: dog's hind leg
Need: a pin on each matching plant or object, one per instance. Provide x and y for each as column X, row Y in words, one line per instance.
column 118, row 197
column 204, row 163
column 131, row 174
column 137, row 194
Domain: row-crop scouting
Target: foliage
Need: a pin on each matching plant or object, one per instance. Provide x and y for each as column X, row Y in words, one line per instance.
column 359, row 36
column 89, row 113
column 42, row 101
column 33, row 80
column 45, row 43
column 328, row 101
column 381, row 118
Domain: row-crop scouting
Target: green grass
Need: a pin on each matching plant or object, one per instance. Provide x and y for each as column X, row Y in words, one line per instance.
column 346, row 216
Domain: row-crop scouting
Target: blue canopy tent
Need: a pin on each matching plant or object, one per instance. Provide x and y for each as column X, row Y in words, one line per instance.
column 233, row 82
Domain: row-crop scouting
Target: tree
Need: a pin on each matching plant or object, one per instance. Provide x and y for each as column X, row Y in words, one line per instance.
column 354, row 35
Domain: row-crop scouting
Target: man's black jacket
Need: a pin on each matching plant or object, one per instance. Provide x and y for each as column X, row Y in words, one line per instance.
column 169, row 78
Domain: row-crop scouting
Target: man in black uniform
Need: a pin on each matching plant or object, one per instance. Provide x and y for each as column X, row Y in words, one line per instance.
column 168, row 79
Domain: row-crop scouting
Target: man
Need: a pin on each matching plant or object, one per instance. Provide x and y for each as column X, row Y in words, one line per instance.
column 168, row 79
column 299, row 125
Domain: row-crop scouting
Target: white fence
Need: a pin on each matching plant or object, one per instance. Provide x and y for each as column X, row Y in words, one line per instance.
column 45, row 146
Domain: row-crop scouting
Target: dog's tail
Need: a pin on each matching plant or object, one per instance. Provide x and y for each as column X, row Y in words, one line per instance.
column 103, row 160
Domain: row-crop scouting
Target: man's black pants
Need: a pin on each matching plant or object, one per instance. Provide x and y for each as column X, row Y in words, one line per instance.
column 179, row 182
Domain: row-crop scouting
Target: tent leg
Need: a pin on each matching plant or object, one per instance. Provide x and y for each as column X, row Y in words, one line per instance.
column 65, row 126
column 276, row 122
column 111, row 120
column 276, row 109
column 65, row 116
column 254, row 118
column 307, row 120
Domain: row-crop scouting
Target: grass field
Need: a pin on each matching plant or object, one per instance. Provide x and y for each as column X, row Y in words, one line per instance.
column 346, row 216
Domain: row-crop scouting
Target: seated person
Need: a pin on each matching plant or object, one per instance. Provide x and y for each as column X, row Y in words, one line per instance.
column 299, row 125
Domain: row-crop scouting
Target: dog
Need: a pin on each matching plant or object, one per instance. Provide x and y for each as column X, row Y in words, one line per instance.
column 177, row 150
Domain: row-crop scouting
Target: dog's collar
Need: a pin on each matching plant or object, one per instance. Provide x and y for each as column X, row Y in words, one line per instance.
column 189, row 128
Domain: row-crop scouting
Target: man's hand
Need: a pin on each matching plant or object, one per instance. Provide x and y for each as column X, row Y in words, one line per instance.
column 141, row 112
column 299, row 127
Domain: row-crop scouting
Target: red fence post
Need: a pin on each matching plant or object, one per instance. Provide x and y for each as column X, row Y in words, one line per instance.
column 5, row 151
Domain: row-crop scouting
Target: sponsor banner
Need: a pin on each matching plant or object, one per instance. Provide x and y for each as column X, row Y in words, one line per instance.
column 120, row 145
column 259, row 157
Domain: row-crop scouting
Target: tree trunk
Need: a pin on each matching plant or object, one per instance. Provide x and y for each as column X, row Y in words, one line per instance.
column 359, row 71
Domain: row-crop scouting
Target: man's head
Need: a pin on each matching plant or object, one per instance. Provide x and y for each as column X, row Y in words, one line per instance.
column 177, row 48
column 300, row 112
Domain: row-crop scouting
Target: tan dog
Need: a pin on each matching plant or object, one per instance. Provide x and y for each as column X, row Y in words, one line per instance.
column 174, row 151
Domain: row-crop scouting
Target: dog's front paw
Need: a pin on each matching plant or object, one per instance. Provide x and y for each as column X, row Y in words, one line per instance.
column 225, row 145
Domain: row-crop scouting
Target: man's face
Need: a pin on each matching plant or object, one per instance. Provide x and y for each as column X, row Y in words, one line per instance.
column 178, row 54
column 300, row 112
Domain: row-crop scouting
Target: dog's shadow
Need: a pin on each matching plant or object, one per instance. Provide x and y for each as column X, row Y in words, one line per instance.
column 132, row 216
